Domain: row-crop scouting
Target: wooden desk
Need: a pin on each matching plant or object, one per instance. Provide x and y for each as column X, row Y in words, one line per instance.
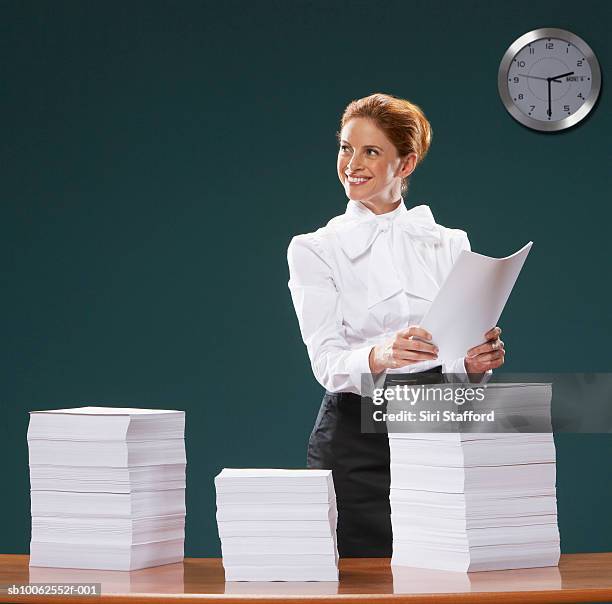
column 579, row 578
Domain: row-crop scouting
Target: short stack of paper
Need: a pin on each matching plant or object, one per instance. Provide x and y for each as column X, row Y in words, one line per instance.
column 472, row 502
column 277, row 525
column 107, row 487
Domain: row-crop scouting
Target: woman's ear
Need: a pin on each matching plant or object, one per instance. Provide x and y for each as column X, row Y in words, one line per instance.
column 408, row 165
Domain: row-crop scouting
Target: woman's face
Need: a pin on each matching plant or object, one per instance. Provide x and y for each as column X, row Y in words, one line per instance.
column 369, row 166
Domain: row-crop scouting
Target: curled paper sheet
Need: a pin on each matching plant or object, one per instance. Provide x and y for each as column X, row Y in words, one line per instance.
column 471, row 300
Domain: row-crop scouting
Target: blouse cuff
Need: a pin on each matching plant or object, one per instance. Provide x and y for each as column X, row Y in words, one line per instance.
column 358, row 364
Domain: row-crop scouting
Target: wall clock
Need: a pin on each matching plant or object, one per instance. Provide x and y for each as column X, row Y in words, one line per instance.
column 549, row 79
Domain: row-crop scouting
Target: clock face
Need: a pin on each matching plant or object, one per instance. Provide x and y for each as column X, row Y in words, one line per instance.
column 549, row 82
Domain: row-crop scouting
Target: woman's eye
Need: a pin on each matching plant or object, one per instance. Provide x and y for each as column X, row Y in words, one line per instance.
column 345, row 148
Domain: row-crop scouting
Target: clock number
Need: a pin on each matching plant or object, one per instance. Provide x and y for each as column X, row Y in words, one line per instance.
column 550, row 45
column 579, row 95
column 578, row 63
column 531, row 50
column 566, row 108
column 520, row 96
column 515, row 79
column 531, row 108
column 521, row 63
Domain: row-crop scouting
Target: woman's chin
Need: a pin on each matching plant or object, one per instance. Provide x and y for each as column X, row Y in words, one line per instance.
column 354, row 193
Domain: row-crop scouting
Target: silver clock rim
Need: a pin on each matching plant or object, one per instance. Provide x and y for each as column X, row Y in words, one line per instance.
column 532, row 36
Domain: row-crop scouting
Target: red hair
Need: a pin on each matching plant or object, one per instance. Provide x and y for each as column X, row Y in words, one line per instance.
column 403, row 122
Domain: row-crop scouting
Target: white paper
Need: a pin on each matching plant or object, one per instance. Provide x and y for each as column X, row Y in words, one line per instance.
column 471, row 300
column 109, row 411
column 263, row 473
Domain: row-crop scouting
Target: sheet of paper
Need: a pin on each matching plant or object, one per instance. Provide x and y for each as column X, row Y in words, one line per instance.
column 471, row 300
column 108, row 411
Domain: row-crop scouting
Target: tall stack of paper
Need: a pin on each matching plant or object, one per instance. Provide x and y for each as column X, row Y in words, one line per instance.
column 471, row 502
column 277, row 525
column 107, row 487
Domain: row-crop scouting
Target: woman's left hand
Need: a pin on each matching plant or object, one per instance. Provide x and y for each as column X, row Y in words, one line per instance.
column 489, row 355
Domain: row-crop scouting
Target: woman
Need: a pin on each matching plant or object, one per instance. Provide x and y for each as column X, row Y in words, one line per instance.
column 360, row 286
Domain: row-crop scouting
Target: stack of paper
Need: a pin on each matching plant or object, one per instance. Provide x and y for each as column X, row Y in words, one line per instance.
column 471, row 502
column 107, row 487
column 277, row 525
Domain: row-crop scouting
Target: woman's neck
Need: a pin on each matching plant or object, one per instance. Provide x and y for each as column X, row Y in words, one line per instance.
column 381, row 207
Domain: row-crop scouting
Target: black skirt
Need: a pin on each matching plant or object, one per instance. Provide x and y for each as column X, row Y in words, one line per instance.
column 360, row 467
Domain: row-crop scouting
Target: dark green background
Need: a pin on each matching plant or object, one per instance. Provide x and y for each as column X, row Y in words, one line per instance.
column 157, row 157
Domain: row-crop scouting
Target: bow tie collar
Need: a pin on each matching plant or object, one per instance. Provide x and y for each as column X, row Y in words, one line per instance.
column 364, row 227
column 364, row 231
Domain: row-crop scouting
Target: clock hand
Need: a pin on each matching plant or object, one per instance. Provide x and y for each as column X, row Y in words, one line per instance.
column 524, row 75
column 549, row 80
column 556, row 78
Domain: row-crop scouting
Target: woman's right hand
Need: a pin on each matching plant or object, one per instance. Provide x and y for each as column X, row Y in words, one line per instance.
column 407, row 347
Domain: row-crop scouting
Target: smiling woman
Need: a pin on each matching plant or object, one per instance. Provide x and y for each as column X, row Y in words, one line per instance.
column 381, row 138
column 360, row 286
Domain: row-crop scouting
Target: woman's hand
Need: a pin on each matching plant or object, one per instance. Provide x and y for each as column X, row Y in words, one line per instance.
column 407, row 347
column 489, row 355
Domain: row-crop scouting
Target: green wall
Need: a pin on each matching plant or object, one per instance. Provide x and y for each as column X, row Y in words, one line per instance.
column 156, row 159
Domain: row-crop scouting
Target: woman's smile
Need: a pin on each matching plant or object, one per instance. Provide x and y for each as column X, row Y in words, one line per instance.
column 357, row 180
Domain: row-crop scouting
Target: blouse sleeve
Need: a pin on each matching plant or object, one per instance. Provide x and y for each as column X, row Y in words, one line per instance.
column 336, row 366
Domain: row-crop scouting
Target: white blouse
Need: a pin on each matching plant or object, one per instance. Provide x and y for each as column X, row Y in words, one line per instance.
column 361, row 278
